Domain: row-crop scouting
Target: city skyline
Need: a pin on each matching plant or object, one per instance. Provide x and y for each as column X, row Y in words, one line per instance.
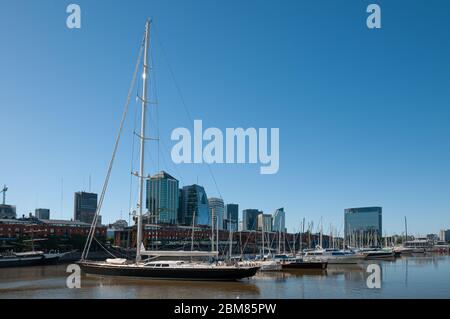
column 376, row 137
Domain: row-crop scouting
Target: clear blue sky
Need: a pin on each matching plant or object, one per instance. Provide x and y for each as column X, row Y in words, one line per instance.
column 363, row 114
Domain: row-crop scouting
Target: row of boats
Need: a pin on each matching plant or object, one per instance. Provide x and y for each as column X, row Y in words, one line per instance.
column 29, row 258
column 320, row 258
column 237, row 267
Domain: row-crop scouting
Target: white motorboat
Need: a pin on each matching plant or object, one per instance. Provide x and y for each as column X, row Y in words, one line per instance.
column 333, row 256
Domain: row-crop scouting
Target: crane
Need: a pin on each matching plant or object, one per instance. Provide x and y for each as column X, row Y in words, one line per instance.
column 4, row 190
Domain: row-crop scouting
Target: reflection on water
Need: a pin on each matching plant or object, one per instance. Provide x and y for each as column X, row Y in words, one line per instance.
column 408, row 277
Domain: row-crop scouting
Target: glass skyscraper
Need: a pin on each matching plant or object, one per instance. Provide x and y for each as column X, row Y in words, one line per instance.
column 250, row 219
column 231, row 217
column 216, row 212
column 364, row 225
column 194, row 202
column 279, row 221
column 265, row 222
column 85, row 206
column 162, row 198
column 42, row 213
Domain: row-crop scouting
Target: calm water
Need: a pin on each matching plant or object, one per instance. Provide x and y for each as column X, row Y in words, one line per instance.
column 407, row 277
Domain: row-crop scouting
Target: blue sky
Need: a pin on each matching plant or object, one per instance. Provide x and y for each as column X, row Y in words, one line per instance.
column 363, row 114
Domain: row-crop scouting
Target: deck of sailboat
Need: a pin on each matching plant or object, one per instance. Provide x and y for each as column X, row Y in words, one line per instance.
column 183, row 265
column 188, row 271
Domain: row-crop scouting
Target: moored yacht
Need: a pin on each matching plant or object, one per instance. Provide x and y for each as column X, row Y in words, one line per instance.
column 175, row 270
column 151, row 268
column 30, row 258
column 385, row 253
column 333, row 256
column 264, row 265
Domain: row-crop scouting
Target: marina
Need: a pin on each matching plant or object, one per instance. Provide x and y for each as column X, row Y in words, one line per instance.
column 172, row 187
column 424, row 276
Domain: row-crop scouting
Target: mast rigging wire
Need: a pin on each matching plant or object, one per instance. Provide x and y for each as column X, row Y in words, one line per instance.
column 116, row 145
column 183, row 102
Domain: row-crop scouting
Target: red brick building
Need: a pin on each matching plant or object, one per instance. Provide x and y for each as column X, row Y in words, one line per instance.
column 26, row 228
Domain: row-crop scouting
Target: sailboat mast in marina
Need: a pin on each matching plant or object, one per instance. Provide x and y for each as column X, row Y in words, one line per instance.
column 142, row 143
column 151, row 267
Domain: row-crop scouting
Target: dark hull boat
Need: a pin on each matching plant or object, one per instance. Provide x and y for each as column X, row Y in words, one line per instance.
column 30, row 260
column 379, row 255
column 306, row 265
column 188, row 272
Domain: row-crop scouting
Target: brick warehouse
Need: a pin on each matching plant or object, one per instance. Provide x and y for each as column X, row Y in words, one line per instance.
column 58, row 233
column 180, row 237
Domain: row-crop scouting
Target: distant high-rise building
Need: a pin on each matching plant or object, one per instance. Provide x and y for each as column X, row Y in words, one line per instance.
column 216, row 212
column 250, row 219
column 279, row 221
column 265, row 222
column 363, row 222
column 444, row 235
column 231, row 217
column 85, row 206
column 194, row 202
column 7, row 211
column 42, row 213
column 162, row 198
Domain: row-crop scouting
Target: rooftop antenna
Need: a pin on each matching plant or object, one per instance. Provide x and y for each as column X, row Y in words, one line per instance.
column 4, row 190
column 62, row 196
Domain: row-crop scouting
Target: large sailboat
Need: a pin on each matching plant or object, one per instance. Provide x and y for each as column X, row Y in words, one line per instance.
column 152, row 267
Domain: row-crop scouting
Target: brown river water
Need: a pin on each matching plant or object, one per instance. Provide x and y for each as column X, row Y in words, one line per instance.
column 407, row 277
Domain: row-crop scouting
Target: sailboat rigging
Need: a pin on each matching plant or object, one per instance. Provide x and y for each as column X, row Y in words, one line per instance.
column 150, row 267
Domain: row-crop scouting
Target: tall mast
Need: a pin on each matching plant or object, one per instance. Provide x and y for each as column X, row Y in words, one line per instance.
column 142, row 140
column 262, row 235
column 231, row 236
column 406, row 230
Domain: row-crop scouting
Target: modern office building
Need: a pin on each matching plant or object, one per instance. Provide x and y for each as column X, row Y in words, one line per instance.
column 85, row 206
column 162, row 199
column 363, row 223
column 250, row 219
column 42, row 213
column 194, row 202
column 265, row 222
column 7, row 211
column 444, row 235
column 216, row 212
column 231, row 217
column 279, row 221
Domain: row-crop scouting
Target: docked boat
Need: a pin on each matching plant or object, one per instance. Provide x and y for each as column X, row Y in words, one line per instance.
column 152, row 267
column 174, row 270
column 402, row 251
column 333, row 256
column 264, row 265
column 379, row 254
column 300, row 264
column 31, row 258
column 419, row 246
